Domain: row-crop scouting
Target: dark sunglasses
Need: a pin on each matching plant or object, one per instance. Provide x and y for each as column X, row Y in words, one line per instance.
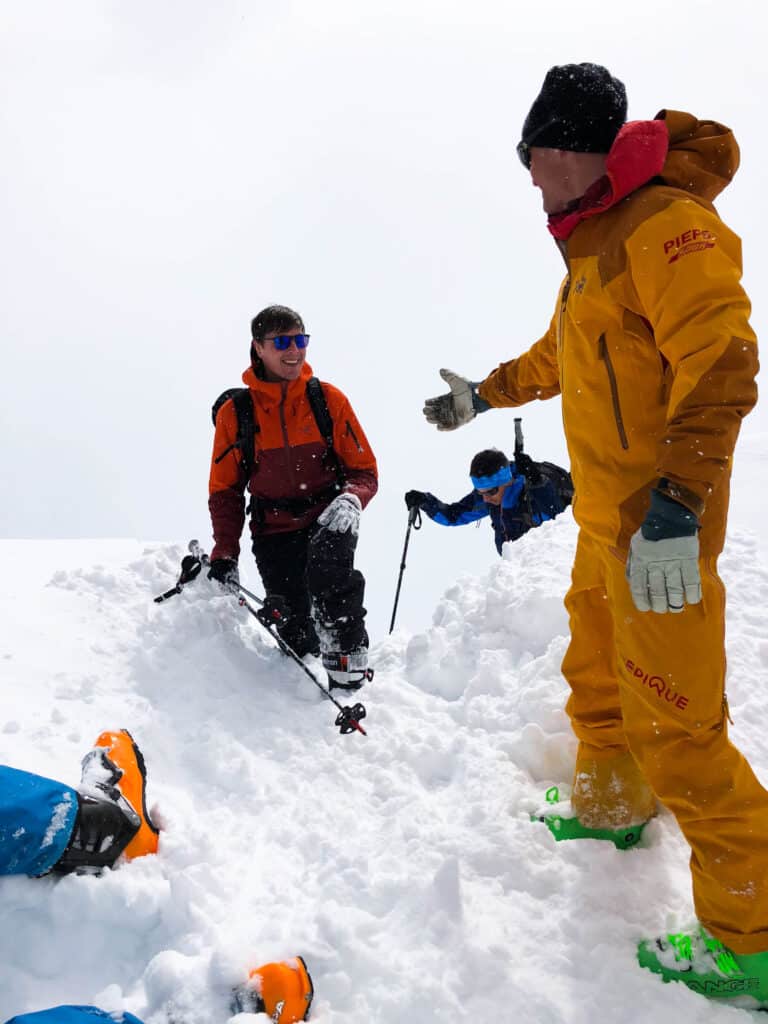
column 491, row 491
column 283, row 341
column 524, row 148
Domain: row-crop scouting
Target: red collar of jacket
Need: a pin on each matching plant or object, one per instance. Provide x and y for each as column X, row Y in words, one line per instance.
column 275, row 391
column 637, row 155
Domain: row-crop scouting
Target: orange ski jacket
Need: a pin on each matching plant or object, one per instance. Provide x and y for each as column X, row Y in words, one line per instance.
column 650, row 345
column 293, row 478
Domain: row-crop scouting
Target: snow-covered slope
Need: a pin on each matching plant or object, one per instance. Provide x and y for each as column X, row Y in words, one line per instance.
column 403, row 866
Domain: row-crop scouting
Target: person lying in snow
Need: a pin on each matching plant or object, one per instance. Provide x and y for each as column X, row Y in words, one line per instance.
column 48, row 826
column 516, row 495
column 283, row 990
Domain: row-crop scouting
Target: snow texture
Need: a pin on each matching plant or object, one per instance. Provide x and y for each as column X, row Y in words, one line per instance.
column 403, row 866
column 60, row 817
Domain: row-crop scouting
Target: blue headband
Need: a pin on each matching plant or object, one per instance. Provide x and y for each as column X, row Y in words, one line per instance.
column 486, row 483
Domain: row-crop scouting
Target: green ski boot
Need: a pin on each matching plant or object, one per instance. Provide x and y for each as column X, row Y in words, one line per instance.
column 571, row 828
column 708, row 967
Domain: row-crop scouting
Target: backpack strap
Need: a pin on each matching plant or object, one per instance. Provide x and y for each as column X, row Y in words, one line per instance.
column 247, row 426
column 319, row 406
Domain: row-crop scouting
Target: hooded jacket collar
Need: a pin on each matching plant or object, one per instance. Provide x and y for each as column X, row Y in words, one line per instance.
column 273, row 392
column 699, row 157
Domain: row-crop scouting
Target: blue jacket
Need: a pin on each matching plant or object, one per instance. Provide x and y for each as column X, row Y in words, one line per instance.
column 74, row 1015
column 37, row 816
column 511, row 519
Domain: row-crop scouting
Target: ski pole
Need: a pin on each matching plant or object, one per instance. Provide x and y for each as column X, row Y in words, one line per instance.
column 348, row 718
column 190, row 570
column 520, row 460
column 518, row 435
column 414, row 520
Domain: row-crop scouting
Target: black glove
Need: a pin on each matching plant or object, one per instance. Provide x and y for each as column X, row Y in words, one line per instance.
column 224, row 570
column 414, row 499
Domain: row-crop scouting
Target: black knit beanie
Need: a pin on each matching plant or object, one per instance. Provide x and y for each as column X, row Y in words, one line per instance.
column 580, row 108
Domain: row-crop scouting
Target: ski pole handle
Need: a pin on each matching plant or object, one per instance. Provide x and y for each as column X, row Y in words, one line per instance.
column 236, row 588
column 518, row 435
column 194, row 549
column 190, row 570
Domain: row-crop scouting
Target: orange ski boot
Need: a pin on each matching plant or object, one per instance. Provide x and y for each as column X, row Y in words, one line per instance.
column 118, row 751
column 282, row 990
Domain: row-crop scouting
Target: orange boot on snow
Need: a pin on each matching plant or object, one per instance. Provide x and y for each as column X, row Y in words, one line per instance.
column 282, row 990
column 119, row 751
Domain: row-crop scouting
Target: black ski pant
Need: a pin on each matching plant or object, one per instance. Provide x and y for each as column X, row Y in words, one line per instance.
column 313, row 571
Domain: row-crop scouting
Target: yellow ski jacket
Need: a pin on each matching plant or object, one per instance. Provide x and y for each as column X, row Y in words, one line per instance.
column 650, row 345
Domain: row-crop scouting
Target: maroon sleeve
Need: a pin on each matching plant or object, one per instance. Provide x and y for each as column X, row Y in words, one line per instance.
column 354, row 450
column 363, row 483
column 226, row 487
column 227, row 510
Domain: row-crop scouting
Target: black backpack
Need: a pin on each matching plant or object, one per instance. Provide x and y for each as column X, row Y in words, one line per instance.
column 248, row 426
column 536, row 472
column 560, row 478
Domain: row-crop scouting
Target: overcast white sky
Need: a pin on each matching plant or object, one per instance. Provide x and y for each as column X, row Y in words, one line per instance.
column 170, row 168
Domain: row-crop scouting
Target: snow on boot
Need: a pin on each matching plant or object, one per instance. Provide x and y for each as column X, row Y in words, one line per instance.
column 115, row 768
column 282, row 990
column 708, row 967
column 347, row 671
column 563, row 824
column 609, row 789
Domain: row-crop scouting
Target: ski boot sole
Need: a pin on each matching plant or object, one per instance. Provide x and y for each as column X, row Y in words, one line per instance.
column 571, row 828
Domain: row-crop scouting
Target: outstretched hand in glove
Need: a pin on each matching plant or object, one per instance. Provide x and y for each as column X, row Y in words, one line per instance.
column 459, row 406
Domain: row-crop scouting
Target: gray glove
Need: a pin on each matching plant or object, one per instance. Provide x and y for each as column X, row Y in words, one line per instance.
column 458, row 407
column 342, row 515
column 664, row 574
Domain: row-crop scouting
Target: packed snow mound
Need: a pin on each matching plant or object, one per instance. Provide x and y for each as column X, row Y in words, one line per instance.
column 403, row 865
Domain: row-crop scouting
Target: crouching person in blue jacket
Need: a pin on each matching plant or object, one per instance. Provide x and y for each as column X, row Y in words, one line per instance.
column 49, row 826
column 75, row 1015
column 282, row 990
column 515, row 495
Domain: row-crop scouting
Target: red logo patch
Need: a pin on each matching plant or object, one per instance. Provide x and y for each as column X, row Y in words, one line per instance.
column 693, row 240
column 663, row 690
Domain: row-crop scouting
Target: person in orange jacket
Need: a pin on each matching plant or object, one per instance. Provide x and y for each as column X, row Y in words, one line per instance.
column 305, row 504
column 651, row 349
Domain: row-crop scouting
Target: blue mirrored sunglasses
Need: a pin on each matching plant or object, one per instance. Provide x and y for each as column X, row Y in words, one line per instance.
column 283, row 341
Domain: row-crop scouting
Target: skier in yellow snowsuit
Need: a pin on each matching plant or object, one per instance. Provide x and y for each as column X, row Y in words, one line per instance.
column 651, row 349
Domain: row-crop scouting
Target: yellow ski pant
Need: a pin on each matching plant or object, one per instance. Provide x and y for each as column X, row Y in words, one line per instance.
column 654, row 686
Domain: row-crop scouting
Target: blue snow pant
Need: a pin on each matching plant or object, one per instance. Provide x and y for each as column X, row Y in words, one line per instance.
column 74, row 1015
column 37, row 816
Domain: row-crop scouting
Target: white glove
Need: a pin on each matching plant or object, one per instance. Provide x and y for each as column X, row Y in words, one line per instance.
column 664, row 574
column 456, row 408
column 342, row 515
